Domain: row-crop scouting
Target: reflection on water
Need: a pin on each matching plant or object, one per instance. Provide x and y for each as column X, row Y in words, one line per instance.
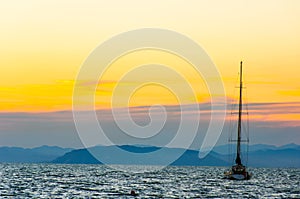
column 98, row 181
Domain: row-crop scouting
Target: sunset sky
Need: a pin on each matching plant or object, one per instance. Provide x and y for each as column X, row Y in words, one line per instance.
column 44, row 44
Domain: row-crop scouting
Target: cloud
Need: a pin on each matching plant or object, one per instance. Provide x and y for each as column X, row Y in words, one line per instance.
column 58, row 128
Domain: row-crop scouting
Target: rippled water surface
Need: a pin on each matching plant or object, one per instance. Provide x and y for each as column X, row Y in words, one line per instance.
column 98, row 181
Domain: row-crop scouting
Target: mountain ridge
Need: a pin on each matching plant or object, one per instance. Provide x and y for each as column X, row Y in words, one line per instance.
column 260, row 155
column 275, row 157
column 31, row 155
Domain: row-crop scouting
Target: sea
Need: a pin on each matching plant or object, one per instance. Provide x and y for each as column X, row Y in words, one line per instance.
column 101, row 181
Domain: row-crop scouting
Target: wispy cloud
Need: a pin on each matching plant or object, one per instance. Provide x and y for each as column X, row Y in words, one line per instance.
column 24, row 129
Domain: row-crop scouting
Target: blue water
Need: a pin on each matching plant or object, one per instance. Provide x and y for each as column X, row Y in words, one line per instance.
column 99, row 181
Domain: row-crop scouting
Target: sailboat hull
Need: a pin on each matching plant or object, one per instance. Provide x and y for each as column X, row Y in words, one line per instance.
column 237, row 176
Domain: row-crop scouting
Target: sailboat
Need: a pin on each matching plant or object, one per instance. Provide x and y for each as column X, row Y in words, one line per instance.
column 239, row 171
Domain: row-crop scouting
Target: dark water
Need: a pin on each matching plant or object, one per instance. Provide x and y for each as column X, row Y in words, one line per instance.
column 98, row 181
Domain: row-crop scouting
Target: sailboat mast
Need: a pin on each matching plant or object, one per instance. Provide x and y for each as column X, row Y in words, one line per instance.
column 238, row 148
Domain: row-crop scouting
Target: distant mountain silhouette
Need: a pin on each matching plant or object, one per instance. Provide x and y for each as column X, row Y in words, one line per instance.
column 79, row 156
column 189, row 157
column 228, row 149
column 290, row 146
column 265, row 156
column 259, row 155
column 34, row 155
column 287, row 157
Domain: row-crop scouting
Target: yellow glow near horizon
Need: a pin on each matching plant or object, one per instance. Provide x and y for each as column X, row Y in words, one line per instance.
column 153, row 85
column 44, row 43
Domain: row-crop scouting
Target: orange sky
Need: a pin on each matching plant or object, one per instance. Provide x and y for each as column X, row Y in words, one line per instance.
column 44, row 43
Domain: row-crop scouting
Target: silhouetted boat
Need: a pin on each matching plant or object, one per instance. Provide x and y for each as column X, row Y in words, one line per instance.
column 239, row 171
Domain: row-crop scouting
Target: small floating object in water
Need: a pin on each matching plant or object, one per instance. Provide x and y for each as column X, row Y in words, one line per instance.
column 132, row 193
